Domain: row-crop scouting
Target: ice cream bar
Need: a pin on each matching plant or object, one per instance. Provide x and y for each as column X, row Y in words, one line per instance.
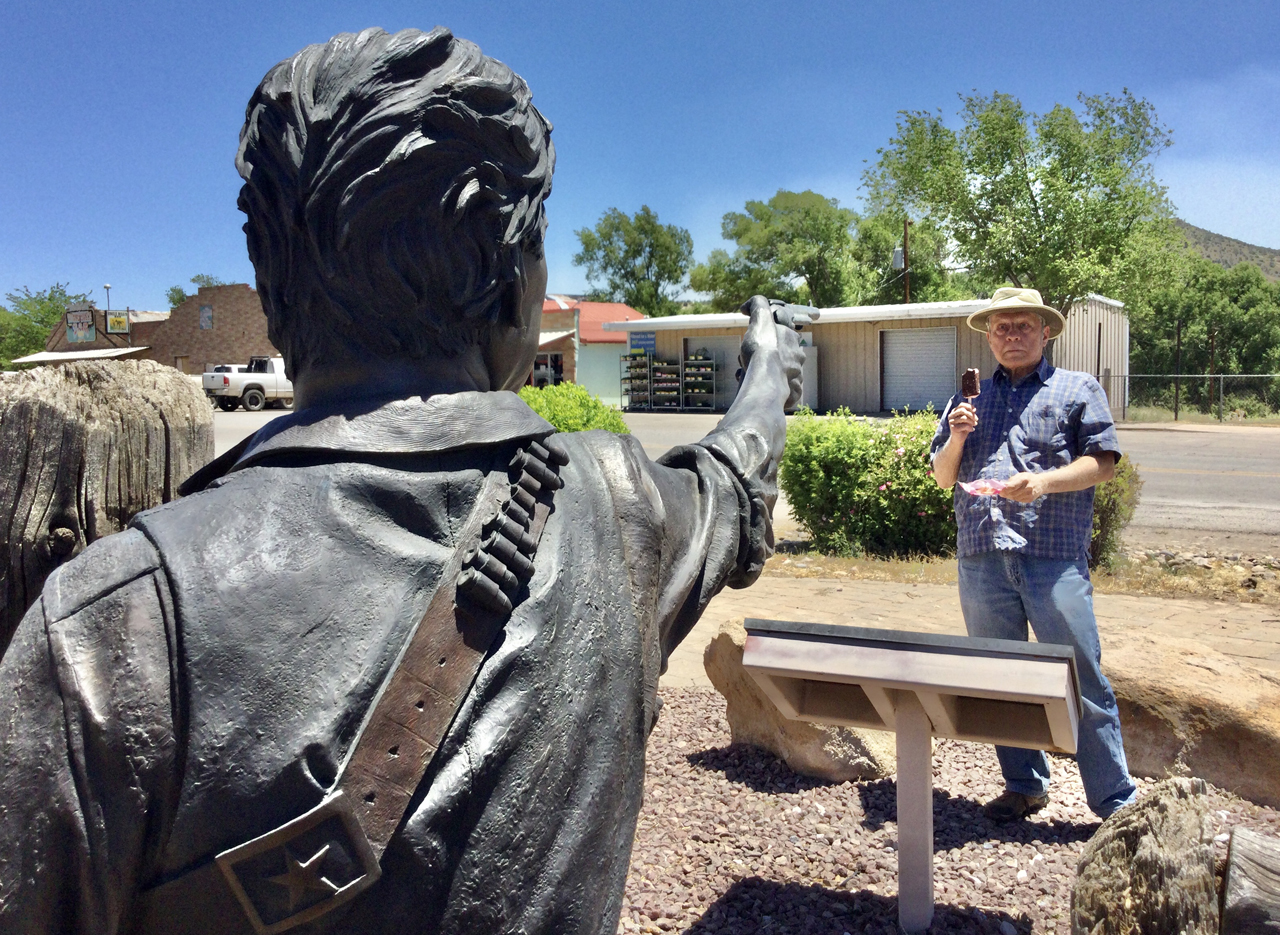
column 970, row 383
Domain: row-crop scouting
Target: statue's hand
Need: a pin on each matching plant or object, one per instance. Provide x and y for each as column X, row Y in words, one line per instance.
column 773, row 329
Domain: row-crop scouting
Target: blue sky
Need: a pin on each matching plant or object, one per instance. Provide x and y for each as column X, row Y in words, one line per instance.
column 118, row 122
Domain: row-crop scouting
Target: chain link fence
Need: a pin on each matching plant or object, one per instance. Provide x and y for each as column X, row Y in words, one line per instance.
column 1193, row 397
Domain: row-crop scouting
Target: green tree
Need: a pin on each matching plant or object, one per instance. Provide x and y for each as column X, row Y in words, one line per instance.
column 177, row 295
column 1230, row 323
column 932, row 279
column 731, row 280
column 640, row 261
column 1063, row 202
column 26, row 323
column 797, row 246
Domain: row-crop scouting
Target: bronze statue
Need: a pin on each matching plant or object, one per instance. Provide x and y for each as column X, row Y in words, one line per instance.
column 390, row 665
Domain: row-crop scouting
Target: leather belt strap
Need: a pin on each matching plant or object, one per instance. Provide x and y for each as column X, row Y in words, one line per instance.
column 326, row 857
column 409, row 718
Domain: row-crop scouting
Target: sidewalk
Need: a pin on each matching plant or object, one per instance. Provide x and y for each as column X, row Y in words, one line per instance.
column 1248, row 633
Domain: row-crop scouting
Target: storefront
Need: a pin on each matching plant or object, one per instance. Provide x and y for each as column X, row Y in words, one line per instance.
column 874, row 358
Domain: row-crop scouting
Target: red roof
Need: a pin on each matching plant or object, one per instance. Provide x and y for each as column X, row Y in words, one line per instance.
column 592, row 315
column 557, row 303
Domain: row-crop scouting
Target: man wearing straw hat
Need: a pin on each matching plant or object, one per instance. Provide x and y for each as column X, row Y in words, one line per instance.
column 1041, row 439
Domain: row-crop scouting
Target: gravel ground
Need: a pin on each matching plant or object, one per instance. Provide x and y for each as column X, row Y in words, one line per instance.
column 730, row 840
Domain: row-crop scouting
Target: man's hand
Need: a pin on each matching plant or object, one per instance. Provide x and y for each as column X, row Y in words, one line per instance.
column 766, row 335
column 963, row 420
column 1084, row 472
column 1024, row 487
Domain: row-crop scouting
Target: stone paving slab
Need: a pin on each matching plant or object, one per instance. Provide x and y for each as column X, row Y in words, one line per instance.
column 1248, row 633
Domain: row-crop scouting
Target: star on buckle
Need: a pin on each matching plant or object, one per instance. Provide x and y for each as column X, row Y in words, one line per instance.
column 303, row 869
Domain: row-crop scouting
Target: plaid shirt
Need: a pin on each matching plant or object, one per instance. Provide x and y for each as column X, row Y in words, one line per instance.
column 1044, row 422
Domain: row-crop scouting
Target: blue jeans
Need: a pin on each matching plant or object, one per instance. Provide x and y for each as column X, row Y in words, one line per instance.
column 1000, row 592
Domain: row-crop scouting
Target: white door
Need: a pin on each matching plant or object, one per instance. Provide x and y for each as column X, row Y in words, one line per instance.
column 918, row 367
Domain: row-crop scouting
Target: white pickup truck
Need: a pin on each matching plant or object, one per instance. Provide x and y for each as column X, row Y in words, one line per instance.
column 255, row 386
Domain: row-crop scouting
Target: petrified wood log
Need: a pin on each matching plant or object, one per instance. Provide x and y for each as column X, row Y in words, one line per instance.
column 1251, row 897
column 85, row 447
column 828, row 752
column 1149, row 868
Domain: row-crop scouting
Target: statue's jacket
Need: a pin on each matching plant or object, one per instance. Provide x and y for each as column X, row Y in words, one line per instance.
column 193, row 682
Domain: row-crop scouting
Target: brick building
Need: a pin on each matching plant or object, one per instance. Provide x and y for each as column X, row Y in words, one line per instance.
column 217, row 325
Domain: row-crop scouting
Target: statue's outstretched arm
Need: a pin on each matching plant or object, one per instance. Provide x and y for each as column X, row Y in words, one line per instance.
column 753, row 432
column 717, row 501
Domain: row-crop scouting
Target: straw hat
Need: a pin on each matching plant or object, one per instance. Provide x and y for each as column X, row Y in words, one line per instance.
column 1010, row 299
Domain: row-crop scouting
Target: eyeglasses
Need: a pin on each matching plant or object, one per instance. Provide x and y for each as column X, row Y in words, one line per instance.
column 1022, row 329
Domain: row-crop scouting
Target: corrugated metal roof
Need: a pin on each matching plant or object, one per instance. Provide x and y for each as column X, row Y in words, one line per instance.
column 62, row 357
column 902, row 312
column 830, row 316
column 677, row 322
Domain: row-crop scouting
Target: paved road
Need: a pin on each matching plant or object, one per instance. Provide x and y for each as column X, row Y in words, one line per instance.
column 657, row 433
column 1217, row 479
column 229, row 428
column 1207, row 477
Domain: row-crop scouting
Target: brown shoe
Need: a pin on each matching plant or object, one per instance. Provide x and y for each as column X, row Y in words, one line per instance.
column 1014, row 806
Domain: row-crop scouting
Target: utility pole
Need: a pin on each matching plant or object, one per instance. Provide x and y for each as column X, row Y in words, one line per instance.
column 1177, row 370
column 906, row 257
column 1213, row 339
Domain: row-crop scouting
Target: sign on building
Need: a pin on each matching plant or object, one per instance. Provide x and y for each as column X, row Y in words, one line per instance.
column 118, row 322
column 206, row 317
column 646, row 341
column 80, row 329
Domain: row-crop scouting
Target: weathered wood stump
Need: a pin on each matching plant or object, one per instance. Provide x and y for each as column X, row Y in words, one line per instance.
column 1149, row 868
column 84, row 448
column 1251, row 896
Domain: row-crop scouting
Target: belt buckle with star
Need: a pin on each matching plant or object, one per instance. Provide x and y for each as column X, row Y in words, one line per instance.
column 303, row 869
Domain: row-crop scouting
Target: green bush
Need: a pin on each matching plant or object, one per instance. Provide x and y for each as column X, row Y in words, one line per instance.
column 570, row 408
column 1113, row 506
column 1246, row 406
column 867, row 487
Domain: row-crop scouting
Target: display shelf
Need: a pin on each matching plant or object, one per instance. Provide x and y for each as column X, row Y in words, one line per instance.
column 636, row 381
column 666, row 385
column 698, row 383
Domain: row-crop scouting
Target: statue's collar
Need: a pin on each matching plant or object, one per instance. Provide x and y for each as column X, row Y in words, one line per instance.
column 444, row 422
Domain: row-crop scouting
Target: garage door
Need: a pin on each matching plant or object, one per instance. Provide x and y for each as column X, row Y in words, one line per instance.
column 918, row 367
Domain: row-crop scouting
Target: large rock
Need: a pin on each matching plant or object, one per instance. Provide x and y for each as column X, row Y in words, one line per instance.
column 84, row 448
column 1149, row 868
column 1187, row 710
column 832, row 753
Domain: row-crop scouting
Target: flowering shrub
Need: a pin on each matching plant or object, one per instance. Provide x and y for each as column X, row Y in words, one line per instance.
column 866, row 487
column 570, row 408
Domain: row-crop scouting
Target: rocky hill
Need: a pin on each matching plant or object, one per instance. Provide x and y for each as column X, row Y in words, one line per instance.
column 1226, row 251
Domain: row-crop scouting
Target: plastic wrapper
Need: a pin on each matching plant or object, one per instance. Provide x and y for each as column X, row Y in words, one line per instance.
column 983, row 487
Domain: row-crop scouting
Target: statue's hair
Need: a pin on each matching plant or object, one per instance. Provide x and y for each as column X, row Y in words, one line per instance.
column 392, row 185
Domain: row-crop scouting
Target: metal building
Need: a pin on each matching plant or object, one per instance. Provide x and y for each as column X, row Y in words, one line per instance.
column 890, row 357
